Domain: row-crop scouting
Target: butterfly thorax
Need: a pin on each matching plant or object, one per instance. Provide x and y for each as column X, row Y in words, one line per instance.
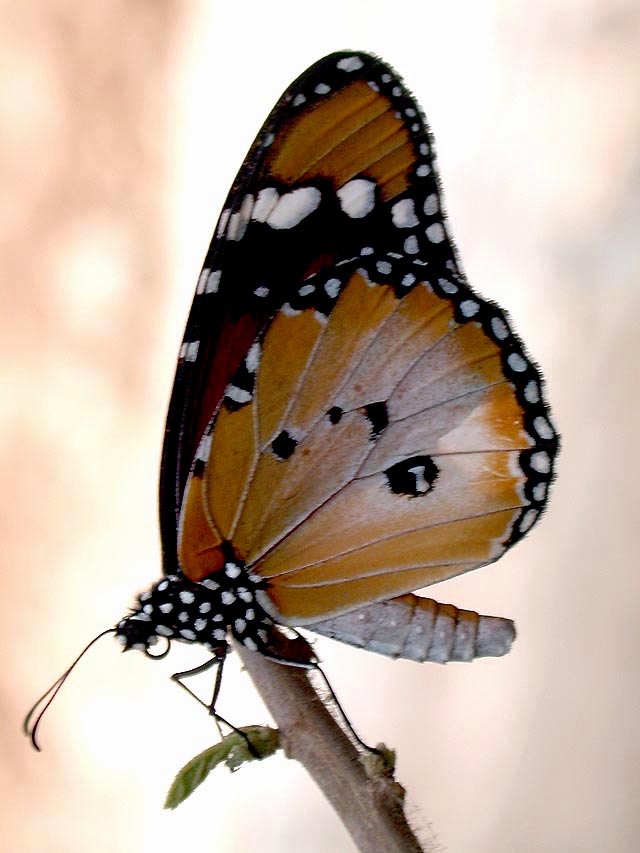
column 176, row 608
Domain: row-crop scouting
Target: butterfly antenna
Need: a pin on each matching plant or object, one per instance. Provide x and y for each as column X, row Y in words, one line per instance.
column 49, row 695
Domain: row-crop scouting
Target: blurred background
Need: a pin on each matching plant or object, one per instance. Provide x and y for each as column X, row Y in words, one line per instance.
column 122, row 125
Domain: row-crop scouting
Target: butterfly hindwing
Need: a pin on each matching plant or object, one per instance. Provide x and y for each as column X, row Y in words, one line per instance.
column 420, row 473
column 349, row 420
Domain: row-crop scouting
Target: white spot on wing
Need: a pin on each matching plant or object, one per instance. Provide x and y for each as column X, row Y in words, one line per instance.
column 532, row 392
column 448, row 286
column 527, row 520
column 189, row 350
column 421, row 481
column 202, row 280
column 411, row 246
column 252, row 359
column 543, row 427
column 539, row 491
column 350, row 63
column 332, row 287
column 431, row 205
column 469, row 308
column 222, row 224
column 541, row 462
column 204, row 448
column 516, row 362
column 357, row 198
column 403, row 214
column 293, row 207
column 265, row 202
column 236, row 228
column 435, row 232
column 499, row 328
column 213, row 282
column 238, row 395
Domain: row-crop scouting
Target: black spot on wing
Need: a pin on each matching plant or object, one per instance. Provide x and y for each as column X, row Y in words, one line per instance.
column 378, row 417
column 414, row 476
column 335, row 414
column 283, row 445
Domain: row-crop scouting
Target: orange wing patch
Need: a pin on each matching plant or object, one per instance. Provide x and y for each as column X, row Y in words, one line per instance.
column 284, row 492
column 366, row 512
column 311, row 605
column 353, row 131
column 289, row 344
column 198, row 540
column 355, row 320
column 232, row 461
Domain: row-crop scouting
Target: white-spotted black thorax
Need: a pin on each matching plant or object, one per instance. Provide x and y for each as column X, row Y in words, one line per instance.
column 177, row 608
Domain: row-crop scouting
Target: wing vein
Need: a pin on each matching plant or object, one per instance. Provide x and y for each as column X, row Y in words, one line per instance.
column 392, row 536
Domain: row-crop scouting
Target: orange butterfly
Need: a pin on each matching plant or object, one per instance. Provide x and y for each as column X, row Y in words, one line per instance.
column 350, row 421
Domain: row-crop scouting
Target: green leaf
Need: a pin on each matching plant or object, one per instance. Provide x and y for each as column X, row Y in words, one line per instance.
column 233, row 750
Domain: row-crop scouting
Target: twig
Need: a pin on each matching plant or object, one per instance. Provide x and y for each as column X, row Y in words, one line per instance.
column 370, row 804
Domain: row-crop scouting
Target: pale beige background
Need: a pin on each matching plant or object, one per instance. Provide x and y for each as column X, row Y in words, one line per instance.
column 121, row 127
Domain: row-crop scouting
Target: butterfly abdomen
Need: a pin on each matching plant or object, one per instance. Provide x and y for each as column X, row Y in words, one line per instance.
column 421, row 629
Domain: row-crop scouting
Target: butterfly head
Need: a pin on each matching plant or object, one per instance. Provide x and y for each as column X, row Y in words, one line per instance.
column 177, row 608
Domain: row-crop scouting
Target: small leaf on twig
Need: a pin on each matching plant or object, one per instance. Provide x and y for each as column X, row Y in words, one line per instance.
column 233, row 750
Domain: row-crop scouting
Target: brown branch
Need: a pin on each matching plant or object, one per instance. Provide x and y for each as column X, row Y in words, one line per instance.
column 370, row 803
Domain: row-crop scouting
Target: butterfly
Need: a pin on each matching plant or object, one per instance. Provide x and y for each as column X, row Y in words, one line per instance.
column 350, row 422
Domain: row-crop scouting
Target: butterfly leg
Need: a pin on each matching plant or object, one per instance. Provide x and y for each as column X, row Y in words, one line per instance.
column 313, row 665
column 217, row 660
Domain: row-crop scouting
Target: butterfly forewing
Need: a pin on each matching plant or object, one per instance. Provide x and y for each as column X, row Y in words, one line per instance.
column 342, row 146
column 362, row 423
